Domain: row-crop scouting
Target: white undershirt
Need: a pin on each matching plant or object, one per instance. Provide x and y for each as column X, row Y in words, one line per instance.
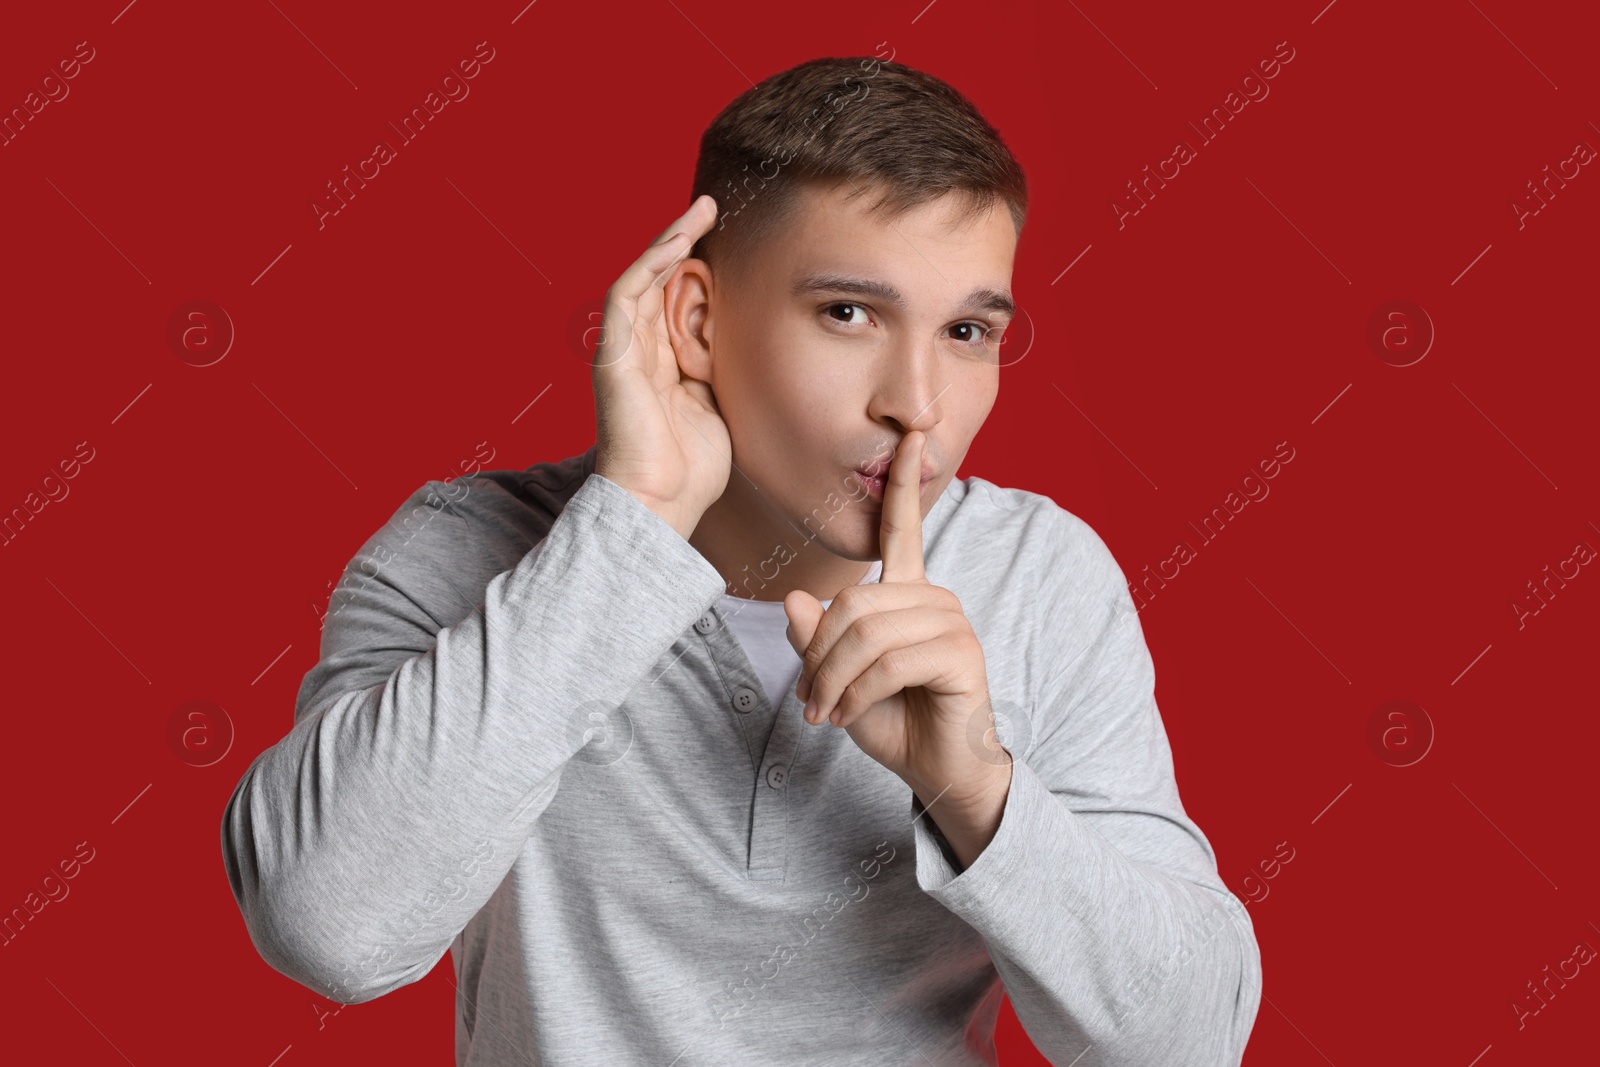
column 759, row 625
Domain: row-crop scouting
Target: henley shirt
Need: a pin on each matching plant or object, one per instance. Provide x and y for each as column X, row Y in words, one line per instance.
column 533, row 740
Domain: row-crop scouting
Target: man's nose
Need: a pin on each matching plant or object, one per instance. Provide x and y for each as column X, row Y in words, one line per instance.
column 910, row 386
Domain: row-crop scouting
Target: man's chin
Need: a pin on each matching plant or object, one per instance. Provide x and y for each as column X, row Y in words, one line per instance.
column 847, row 535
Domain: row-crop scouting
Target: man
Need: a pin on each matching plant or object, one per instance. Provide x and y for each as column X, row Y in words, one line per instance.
column 753, row 735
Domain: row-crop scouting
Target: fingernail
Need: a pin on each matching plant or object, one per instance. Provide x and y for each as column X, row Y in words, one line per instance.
column 803, row 690
column 811, row 712
column 834, row 718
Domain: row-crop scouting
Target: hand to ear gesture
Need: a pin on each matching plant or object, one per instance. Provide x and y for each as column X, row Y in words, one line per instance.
column 897, row 665
column 658, row 432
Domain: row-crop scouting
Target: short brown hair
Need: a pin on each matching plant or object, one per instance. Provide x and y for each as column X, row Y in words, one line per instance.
column 874, row 124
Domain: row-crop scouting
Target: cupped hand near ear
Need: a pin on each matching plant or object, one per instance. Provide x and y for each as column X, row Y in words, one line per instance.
column 658, row 433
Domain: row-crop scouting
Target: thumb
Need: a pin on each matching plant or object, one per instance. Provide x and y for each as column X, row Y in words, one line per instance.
column 805, row 612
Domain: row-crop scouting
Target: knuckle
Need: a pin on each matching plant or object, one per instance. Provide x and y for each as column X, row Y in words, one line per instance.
column 871, row 629
column 853, row 698
column 821, row 682
column 897, row 661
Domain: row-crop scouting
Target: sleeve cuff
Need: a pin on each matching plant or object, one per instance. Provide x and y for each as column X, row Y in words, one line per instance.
column 1037, row 840
column 931, row 842
column 613, row 587
column 624, row 526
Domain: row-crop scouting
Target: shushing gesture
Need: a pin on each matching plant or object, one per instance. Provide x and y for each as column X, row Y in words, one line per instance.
column 897, row 664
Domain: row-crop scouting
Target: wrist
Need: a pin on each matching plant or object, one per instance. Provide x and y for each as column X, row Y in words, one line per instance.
column 965, row 823
column 665, row 511
column 980, row 794
column 674, row 518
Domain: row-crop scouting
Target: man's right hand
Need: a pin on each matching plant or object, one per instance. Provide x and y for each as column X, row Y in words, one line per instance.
column 659, row 434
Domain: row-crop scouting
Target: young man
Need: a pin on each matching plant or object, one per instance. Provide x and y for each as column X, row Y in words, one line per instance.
column 751, row 734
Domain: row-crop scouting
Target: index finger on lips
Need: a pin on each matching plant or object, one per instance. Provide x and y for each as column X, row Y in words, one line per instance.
column 900, row 525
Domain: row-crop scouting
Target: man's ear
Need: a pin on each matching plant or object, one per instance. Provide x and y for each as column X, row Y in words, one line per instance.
column 686, row 307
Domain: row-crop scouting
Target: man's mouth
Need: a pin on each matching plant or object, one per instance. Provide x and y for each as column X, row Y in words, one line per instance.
column 875, row 476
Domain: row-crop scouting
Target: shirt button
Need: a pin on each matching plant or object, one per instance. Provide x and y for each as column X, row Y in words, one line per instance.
column 706, row 623
column 777, row 775
column 744, row 700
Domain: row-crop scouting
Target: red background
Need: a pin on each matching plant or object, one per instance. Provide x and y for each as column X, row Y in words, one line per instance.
column 195, row 549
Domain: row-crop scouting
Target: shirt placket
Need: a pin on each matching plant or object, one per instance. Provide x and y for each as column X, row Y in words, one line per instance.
column 773, row 736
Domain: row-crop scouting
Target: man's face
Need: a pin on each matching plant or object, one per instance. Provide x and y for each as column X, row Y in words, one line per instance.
column 817, row 376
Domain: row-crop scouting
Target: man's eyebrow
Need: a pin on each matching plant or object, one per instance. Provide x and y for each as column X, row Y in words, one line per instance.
column 980, row 299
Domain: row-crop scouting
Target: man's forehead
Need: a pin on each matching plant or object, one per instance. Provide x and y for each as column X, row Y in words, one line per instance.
column 831, row 245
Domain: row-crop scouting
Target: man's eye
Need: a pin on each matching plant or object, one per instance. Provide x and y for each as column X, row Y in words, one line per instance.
column 971, row 333
column 831, row 308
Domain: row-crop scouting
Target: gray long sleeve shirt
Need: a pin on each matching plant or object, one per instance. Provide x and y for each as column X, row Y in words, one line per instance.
column 533, row 741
